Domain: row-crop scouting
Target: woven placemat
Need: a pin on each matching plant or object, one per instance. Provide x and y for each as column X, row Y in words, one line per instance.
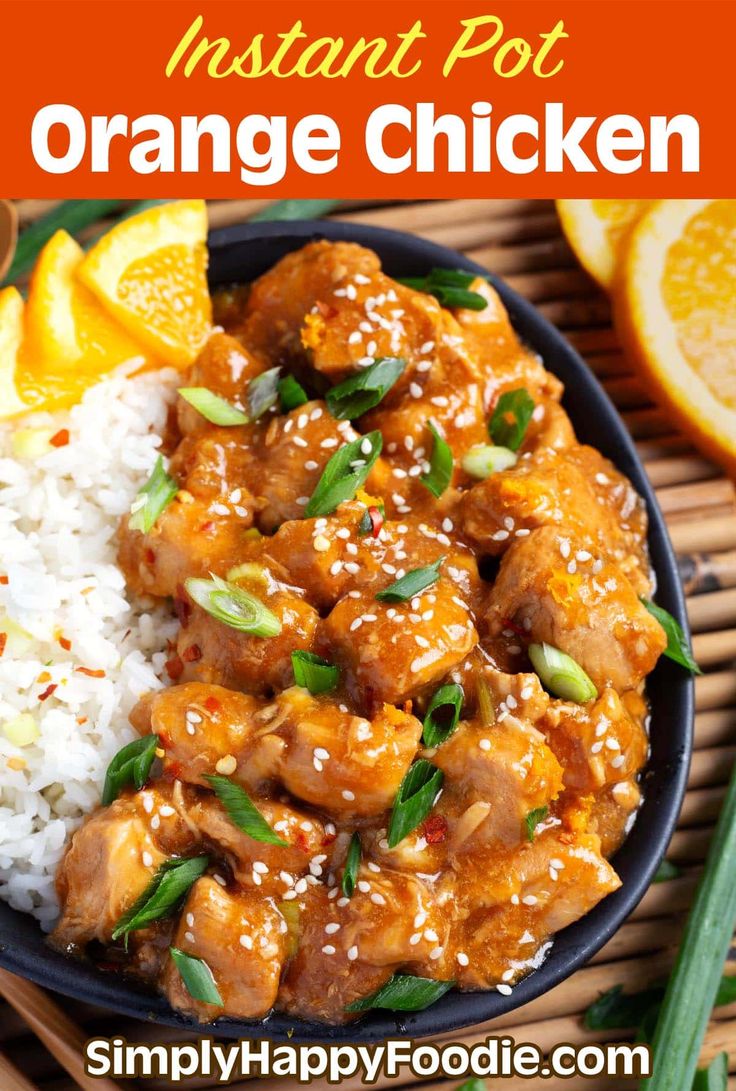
column 521, row 241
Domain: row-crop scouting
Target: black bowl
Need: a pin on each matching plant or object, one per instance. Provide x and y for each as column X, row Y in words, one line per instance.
column 239, row 254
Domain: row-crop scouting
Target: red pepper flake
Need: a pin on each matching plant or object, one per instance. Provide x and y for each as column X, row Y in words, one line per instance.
column 182, row 606
column 82, row 720
column 509, row 624
column 47, row 692
column 434, row 829
column 174, row 668
column 212, row 704
column 376, row 517
column 4, row 580
column 89, row 672
column 325, row 309
column 150, row 557
column 192, row 653
column 172, row 770
column 302, row 841
column 206, row 527
column 329, row 839
column 65, row 644
column 44, row 676
column 3, row 642
column 61, row 438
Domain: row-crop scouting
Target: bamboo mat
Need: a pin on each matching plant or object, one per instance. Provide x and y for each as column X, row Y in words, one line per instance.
column 522, row 242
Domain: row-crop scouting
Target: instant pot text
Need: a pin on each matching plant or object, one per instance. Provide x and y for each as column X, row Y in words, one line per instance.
column 400, row 136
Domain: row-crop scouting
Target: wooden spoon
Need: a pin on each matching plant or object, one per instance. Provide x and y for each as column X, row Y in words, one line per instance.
column 8, row 235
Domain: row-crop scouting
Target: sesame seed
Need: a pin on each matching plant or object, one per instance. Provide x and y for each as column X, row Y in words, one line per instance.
column 189, row 937
column 347, row 794
column 415, row 390
column 364, row 887
column 321, row 544
column 352, row 953
column 484, row 744
column 226, row 765
column 505, row 990
column 378, row 899
column 328, row 949
column 462, row 958
column 260, row 867
column 529, row 899
column 436, row 953
column 147, row 859
column 247, row 942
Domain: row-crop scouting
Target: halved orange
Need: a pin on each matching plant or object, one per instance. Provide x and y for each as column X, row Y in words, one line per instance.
column 70, row 340
column 11, row 336
column 149, row 272
column 597, row 231
column 675, row 308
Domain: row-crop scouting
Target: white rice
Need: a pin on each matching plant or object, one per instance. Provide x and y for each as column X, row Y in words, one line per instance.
column 58, row 519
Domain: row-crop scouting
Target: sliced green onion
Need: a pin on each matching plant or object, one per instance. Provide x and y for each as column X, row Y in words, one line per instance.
column 443, row 714
column 344, row 474
column 403, row 992
column 714, row 1077
column 486, row 709
column 198, row 978
column 440, row 464
column 414, row 800
column 693, row 985
column 291, row 393
column 533, row 819
column 365, row 389
column 212, row 407
column 314, row 673
column 484, row 459
column 511, row 418
column 131, row 765
column 242, row 811
column 163, row 895
column 263, row 392
column 666, row 871
column 294, row 209
column 352, row 865
column 449, row 287
column 152, row 499
column 473, row 1084
column 561, row 675
column 414, row 582
column 233, row 606
column 677, row 648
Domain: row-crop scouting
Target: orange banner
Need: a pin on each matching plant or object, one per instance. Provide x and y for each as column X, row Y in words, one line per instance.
column 394, row 98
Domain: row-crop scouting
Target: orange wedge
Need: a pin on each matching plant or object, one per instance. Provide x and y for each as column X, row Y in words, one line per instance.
column 675, row 307
column 597, row 231
column 70, row 340
column 149, row 272
column 11, row 336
